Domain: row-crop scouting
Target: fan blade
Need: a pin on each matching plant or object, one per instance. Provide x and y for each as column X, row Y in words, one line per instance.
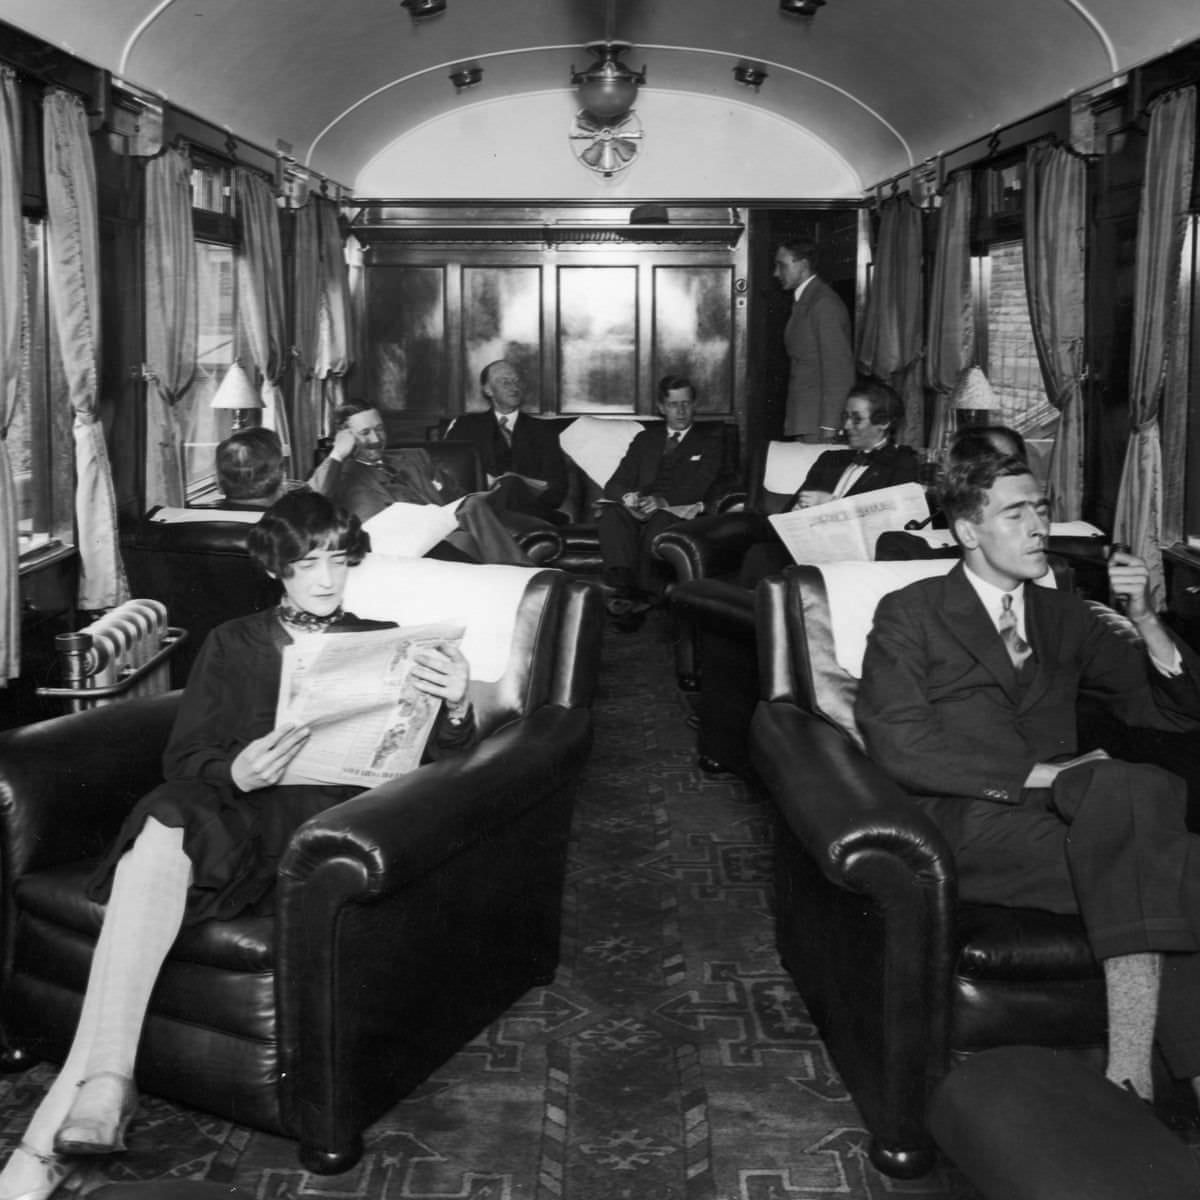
column 594, row 154
column 623, row 149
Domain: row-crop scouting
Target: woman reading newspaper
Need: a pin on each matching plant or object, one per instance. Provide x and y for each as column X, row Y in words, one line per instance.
column 206, row 842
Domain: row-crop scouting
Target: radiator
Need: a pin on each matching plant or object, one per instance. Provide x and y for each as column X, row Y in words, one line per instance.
column 123, row 653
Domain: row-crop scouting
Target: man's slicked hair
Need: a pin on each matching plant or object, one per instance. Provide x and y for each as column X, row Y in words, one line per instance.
column 966, row 485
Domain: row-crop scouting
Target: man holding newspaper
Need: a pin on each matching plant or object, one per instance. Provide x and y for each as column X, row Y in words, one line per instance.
column 871, row 462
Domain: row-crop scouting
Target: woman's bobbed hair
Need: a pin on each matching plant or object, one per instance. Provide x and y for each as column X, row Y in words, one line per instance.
column 299, row 523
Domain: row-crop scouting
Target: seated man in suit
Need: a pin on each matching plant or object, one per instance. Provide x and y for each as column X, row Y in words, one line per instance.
column 871, row 460
column 663, row 478
column 358, row 477
column 520, row 453
column 968, row 700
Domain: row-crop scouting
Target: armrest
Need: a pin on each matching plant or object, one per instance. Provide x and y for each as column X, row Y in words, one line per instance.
column 858, row 825
column 405, row 828
column 710, row 545
column 66, row 784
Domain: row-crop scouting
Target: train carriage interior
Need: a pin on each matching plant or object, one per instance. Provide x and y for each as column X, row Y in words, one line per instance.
column 666, row 931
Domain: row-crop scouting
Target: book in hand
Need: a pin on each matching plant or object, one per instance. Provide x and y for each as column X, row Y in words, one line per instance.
column 846, row 530
column 353, row 691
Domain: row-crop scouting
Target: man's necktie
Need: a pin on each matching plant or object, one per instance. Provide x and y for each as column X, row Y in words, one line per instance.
column 672, row 443
column 1018, row 648
column 506, row 430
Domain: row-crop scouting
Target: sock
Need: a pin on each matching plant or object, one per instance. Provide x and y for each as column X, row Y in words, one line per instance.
column 1132, row 983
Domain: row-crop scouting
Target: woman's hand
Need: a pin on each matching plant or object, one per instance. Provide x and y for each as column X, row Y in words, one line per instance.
column 811, row 497
column 442, row 671
column 263, row 761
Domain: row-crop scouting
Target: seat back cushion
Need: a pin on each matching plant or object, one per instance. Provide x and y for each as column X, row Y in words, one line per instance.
column 785, row 466
column 509, row 616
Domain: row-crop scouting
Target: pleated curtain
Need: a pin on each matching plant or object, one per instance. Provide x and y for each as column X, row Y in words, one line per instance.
column 1162, row 221
column 1054, row 253
column 171, row 315
column 951, row 339
column 261, row 315
column 892, row 336
column 12, row 351
column 73, row 258
column 306, row 417
column 334, row 329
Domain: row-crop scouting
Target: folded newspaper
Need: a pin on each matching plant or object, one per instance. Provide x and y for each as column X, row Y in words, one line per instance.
column 846, row 530
column 368, row 722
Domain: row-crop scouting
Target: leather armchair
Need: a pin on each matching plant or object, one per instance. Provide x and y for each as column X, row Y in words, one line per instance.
column 404, row 921
column 900, row 977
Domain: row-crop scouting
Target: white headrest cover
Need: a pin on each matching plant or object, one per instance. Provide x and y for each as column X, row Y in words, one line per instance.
column 423, row 591
column 788, row 464
column 598, row 444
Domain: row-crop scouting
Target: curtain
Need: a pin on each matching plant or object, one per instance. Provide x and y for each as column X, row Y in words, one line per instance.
column 261, row 315
column 306, row 417
column 73, row 242
column 333, row 353
column 951, row 320
column 1162, row 218
column 170, row 264
column 1054, row 253
column 1175, row 406
column 890, row 345
column 12, row 350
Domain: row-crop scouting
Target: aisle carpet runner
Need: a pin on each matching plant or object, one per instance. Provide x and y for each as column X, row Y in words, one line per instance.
column 671, row 1059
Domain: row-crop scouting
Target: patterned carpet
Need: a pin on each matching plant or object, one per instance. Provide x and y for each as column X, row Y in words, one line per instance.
column 670, row 1060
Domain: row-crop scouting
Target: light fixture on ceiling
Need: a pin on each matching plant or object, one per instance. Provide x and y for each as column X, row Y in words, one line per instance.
column 801, row 8
column 424, row 8
column 750, row 75
column 465, row 77
column 607, row 88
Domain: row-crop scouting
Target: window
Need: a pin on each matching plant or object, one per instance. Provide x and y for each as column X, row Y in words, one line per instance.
column 39, row 438
column 216, row 292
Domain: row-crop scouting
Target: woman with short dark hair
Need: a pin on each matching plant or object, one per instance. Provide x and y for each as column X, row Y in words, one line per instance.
column 206, row 843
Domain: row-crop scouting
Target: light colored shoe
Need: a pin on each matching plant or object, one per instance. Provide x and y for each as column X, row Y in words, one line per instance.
column 51, row 1174
column 99, row 1117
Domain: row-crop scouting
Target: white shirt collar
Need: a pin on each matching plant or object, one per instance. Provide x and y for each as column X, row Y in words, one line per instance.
column 992, row 598
column 797, row 293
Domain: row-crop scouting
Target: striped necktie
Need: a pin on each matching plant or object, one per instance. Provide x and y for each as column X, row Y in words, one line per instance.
column 1018, row 648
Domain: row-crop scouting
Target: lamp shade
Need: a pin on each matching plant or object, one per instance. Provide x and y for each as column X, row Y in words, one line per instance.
column 972, row 391
column 236, row 391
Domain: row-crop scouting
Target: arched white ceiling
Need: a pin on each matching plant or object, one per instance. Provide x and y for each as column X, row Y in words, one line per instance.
column 882, row 84
column 693, row 147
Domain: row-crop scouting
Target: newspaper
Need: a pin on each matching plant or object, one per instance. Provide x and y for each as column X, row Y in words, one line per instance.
column 845, row 530
column 409, row 530
column 368, row 723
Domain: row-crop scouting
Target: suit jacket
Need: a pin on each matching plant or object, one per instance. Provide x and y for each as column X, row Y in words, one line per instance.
column 941, row 708
column 406, row 476
column 817, row 338
column 534, row 451
column 889, row 465
column 683, row 477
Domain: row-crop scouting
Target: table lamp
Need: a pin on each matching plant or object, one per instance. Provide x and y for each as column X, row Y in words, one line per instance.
column 238, row 394
column 973, row 400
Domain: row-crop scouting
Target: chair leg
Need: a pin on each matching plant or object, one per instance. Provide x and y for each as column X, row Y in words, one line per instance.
column 323, row 1161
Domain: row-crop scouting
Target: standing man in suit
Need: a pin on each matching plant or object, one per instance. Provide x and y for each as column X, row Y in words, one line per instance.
column 518, row 450
column 662, row 479
column 817, row 337
column 968, row 696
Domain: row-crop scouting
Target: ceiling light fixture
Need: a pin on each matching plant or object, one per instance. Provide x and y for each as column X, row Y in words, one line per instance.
column 608, row 88
column 801, row 8
column 424, row 8
column 465, row 77
column 749, row 75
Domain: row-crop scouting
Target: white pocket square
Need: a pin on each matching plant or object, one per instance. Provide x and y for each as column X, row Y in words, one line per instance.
column 696, row 457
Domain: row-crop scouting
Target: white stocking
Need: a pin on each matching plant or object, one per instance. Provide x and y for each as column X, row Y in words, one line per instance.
column 141, row 921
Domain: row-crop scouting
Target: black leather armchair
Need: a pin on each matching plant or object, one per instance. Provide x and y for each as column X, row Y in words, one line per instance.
column 404, row 920
column 900, row 977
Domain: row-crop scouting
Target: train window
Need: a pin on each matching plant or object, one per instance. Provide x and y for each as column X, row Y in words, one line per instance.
column 216, row 289
column 38, row 438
